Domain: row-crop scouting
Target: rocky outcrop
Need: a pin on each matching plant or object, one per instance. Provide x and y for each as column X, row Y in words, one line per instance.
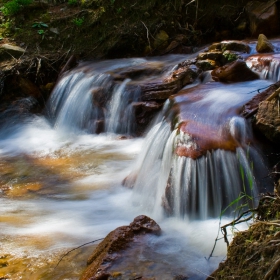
column 268, row 118
column 219, row 54
column 251, row 107
column 264, row 45
column 263, row 18
column 111, row 249
column 236, row 71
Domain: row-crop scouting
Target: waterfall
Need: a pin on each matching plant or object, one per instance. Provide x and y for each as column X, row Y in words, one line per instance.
column 93, row 102
column 197, row 162
column 187, row 188
column 197, row 157
column 120, row 117
column 267, row 66
column 71, row 107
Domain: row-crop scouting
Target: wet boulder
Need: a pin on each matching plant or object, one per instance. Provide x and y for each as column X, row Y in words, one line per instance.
column 264, row 45
column 236, row 71
column 263, row 18
column 232, row 45
column 207, row 64
column 161, row 90
column 111, row 249
column 219, row 54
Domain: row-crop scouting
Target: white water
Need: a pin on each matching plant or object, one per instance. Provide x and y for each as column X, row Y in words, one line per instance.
column 82, row 209
column 81, row 199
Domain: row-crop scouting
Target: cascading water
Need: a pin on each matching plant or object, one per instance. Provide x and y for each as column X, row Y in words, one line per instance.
column 62, row 184
column 194, row 173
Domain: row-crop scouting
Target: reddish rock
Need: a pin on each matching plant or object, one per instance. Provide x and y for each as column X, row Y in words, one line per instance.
column 263, row 17
column 110, row 250
column 236, row 71
column 199, row 138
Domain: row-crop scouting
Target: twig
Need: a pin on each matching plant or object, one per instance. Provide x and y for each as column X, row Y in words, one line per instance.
column 147, row 35
column 76, row 249
column 211, row 254
column 237, row 221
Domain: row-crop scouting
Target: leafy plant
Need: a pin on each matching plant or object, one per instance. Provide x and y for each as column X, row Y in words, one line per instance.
column 78, row 21
column 72, row 2
column 12, row 7
column 39, row 25
column 112, row 2
column 230, row 56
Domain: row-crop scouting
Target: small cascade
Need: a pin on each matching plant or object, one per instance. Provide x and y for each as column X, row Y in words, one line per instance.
column 195, row 164
column 93, row 102
column 191, row 188
column 120, row 116
column 71, row 105
column 267, row 66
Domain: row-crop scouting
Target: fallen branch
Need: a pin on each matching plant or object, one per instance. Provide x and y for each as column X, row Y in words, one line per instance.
column 76, row 249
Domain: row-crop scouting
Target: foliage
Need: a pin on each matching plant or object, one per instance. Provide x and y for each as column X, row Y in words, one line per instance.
column 12, row 7
column 39, row 25
column 78, row 21
column 72, row 2
column 230, row 56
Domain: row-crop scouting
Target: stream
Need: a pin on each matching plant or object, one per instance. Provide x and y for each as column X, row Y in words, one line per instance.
column 62, row 185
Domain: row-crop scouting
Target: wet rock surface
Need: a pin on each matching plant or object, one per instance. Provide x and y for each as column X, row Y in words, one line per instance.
column 161, row 90
column 236, row 71
column 112, row 248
